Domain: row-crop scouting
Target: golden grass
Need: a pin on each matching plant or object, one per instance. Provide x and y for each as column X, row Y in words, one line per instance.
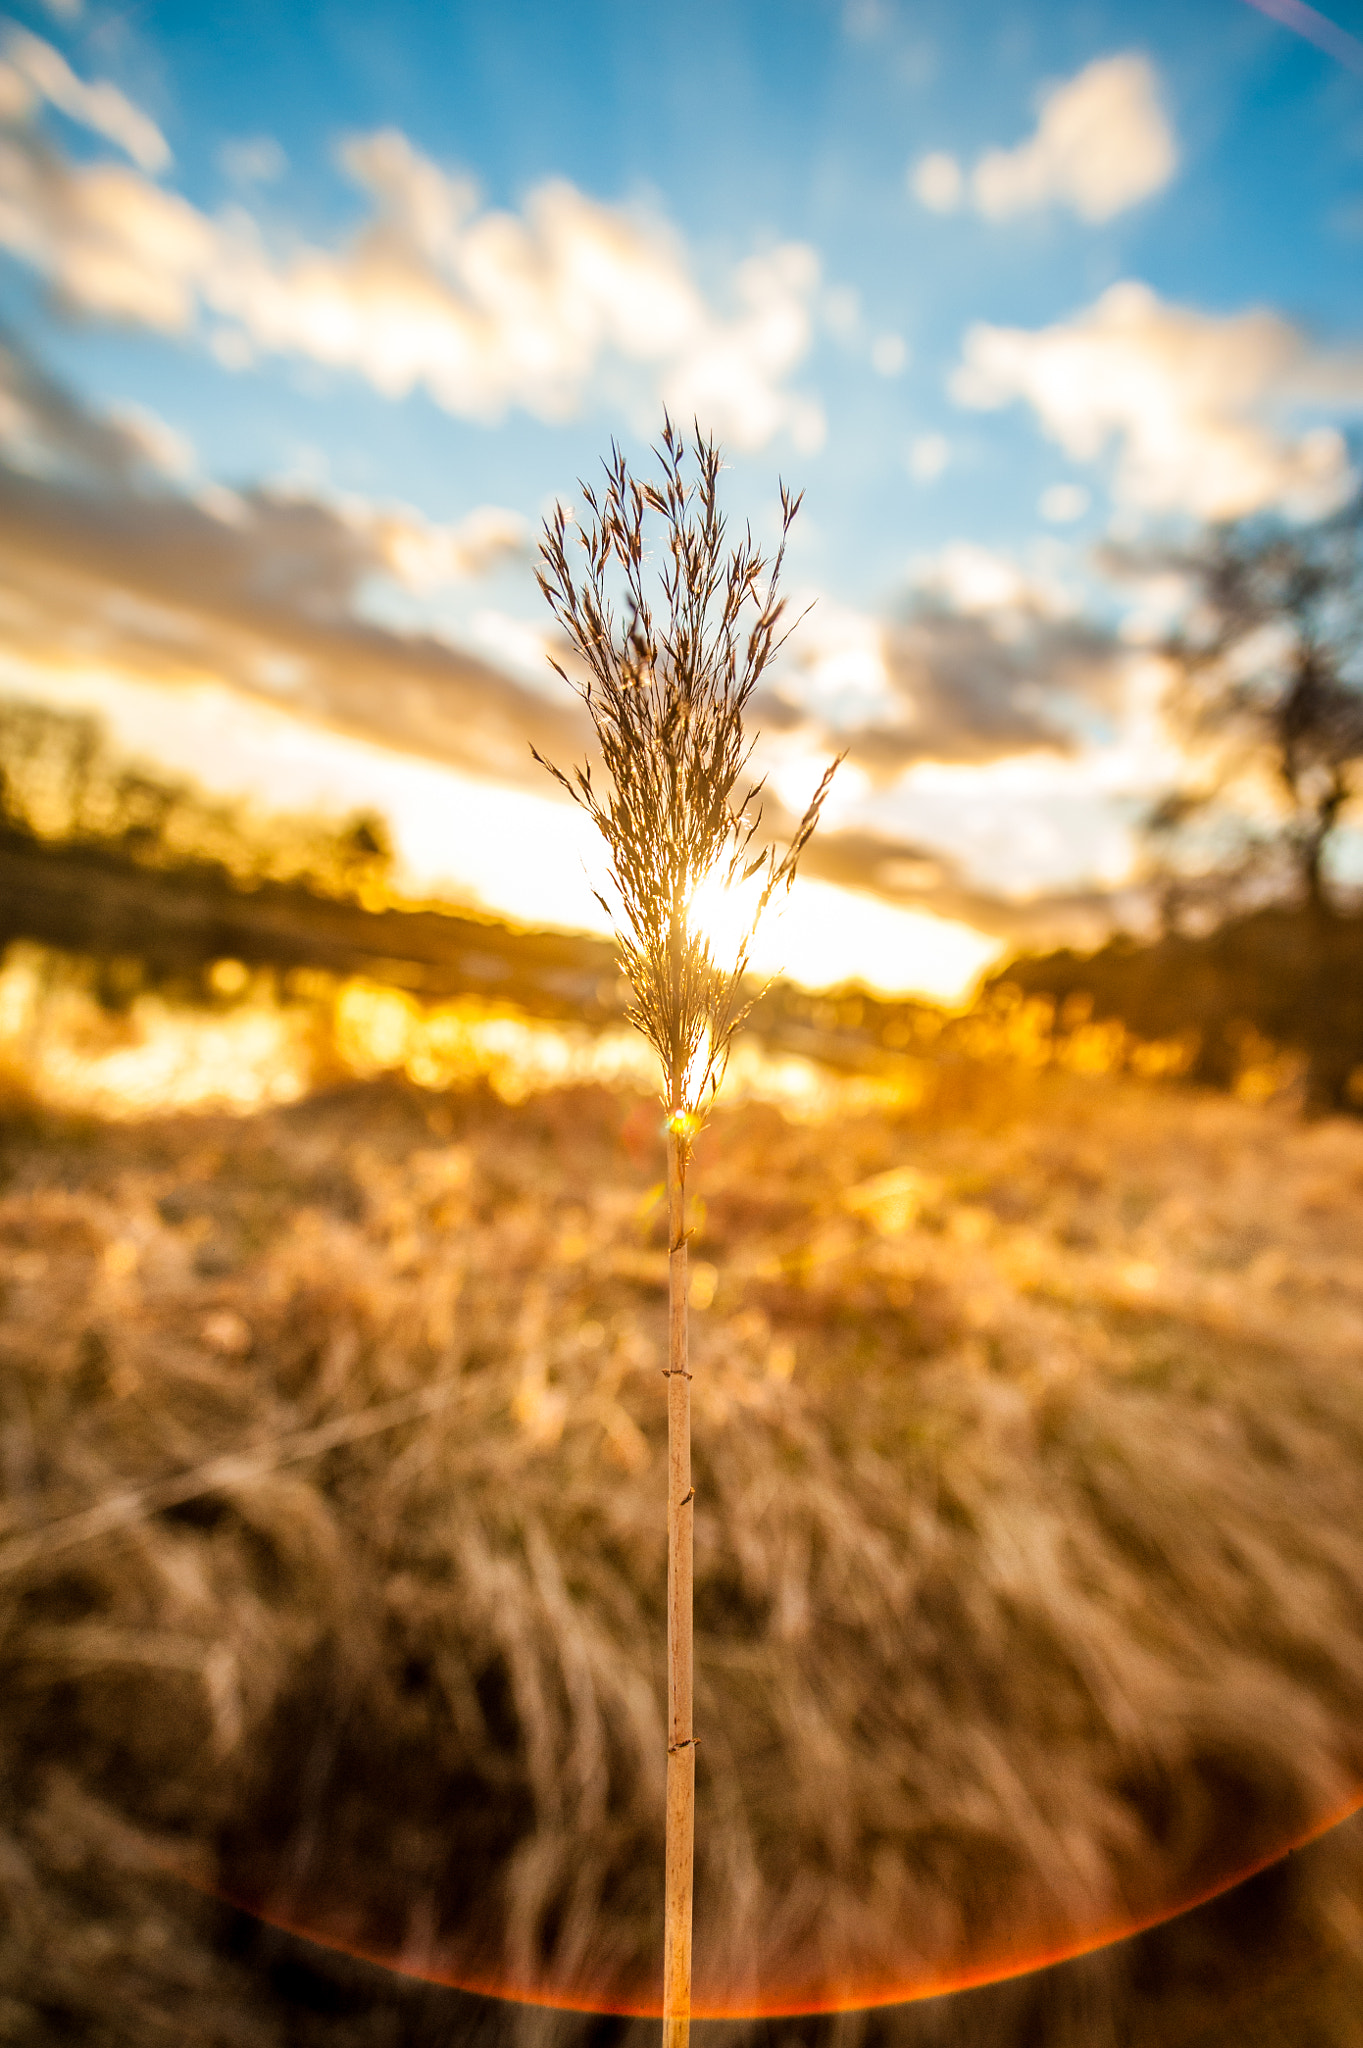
column 1061, row 1623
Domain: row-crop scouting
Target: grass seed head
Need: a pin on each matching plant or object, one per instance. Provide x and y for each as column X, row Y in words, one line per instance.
column 672, row 648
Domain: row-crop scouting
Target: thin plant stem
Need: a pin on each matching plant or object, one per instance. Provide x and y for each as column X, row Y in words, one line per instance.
column 679, row 1854
column 666, row 695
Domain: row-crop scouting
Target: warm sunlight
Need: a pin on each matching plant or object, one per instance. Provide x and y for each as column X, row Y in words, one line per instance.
column 507, row 850
column 828, row 935
column 724, row 911
column 485, row 1521
column 822, row 936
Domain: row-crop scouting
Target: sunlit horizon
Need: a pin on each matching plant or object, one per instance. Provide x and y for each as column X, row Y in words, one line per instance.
column 508, row 852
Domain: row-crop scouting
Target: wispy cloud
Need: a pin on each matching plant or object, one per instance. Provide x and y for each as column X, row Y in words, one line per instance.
column 108, row 562
column 31, row 70
column 997, row 743
column 980, row 662
column 253, row 160
column 116, row 560
column 1199, row 406
column 1102, row 143
column 486, row 310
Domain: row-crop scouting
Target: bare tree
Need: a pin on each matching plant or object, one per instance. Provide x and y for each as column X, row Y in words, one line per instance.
column 1267, row 690
column 666, row 694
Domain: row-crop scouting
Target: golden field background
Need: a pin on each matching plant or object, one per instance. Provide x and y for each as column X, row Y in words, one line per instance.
column 1029, row 1445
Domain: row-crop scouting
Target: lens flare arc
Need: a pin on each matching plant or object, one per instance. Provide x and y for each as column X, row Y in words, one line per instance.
column 791, row 2002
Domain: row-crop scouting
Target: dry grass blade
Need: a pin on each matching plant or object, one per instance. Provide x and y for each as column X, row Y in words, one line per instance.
column 235, row 1468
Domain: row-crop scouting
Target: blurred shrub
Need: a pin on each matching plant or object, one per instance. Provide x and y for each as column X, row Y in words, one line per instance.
column 61, row 782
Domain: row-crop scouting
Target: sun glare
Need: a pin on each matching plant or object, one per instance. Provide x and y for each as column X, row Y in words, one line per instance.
column 828, row 935
column 821, row 936
column 724, row 912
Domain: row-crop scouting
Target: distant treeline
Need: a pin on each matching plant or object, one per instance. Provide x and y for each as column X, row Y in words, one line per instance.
column 1283, row 977
column 156, row 884
column 63, row 786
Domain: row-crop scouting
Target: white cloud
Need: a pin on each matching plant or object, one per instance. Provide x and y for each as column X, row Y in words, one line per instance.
column 516, row 645
column 43, row 73
column 160, row 446
column 842, row 311
column 730, row 373
column 974, row 580
column 485, row 309
column 109, row 566
column 1059, row 504
column 865, row 20
column 928, row 456
column 1102, row 143
column 889, row 355
column 936, row 181
column 112, row 243
column 45, row 432
column 423, row 556
column 16, row 99
column 838, row 675
column 254, row 160
column 1027, row 825
column 1198, row 405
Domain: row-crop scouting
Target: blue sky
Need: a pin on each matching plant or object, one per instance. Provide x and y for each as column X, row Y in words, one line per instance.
column 988, row 281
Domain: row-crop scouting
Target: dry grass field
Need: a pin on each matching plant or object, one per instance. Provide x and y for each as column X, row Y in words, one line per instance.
column 1029, row 1440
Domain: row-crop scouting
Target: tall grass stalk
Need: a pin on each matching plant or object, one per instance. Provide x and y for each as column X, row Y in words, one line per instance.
column 666, row 689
